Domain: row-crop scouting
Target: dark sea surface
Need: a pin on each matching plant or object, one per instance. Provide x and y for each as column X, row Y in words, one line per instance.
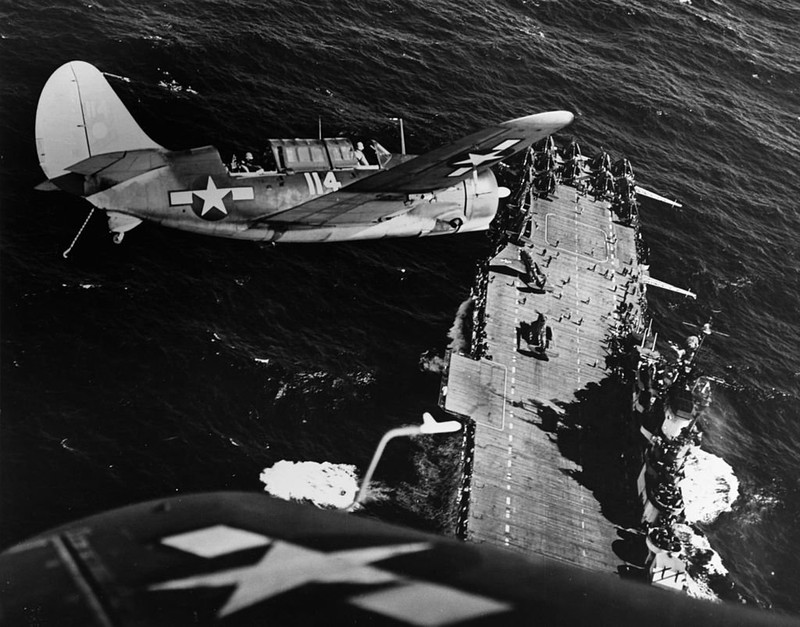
column 139, row 371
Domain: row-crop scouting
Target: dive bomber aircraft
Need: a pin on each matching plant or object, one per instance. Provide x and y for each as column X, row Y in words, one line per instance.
column 313, row 190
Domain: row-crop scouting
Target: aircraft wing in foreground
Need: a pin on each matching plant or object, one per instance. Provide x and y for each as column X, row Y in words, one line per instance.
column 249, row 559
column 296, row 190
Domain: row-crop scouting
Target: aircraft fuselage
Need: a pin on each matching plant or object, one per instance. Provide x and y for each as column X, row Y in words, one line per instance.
column 251, row 206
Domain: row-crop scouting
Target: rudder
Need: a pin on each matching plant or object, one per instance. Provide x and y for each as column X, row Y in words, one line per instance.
column 79, row 116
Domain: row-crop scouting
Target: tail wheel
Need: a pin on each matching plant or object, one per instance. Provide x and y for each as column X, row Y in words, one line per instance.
column 117, row 237
column 456, row 223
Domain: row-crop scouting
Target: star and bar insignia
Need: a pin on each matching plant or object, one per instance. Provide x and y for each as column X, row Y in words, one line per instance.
column 212, row 203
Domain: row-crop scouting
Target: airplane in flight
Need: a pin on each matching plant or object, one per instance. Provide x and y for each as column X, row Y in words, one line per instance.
column 309, row 190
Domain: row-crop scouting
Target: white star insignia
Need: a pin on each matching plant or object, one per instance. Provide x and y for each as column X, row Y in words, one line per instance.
column 212, row 197
column 287, row 566
column 475, row 159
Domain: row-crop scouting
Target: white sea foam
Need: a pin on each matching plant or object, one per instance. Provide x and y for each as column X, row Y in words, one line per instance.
column 703, row 563
column 323, row 484
column 429, row 361
column 709, row 487
column 458, row 341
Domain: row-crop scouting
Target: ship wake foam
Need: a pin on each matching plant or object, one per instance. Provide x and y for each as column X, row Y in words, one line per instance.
column 709, row 486
column 429, row 361
column 326, row 485
column 459, row 342
column 704, row 565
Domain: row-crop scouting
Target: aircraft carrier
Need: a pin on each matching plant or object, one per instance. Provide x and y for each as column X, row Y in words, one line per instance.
column 554, row 450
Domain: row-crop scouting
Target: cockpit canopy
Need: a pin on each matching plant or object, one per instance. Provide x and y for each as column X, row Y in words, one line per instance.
column 309, row 155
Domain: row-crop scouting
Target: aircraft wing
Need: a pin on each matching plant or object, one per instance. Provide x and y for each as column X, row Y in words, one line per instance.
column 338, row 209
column 666, row 286
column 513, row 265
column 249, row 559
column 375, row 198
column 446, row 166
column 653, row 196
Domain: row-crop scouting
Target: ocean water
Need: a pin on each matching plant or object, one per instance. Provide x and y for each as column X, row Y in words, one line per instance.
column 177, row 363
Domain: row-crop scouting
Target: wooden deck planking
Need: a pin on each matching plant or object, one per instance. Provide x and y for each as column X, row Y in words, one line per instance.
column 524, row 494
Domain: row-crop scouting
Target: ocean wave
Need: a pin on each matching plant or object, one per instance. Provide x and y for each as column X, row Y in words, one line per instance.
column 322, row 382
column 758, row 505
column 709, row 486
column 325, row 485
column 168, row 82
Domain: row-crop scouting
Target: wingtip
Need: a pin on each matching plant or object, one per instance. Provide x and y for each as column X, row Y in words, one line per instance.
column 552, row 120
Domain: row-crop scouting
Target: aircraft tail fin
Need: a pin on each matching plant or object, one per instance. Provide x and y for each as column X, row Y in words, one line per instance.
column 79, row 117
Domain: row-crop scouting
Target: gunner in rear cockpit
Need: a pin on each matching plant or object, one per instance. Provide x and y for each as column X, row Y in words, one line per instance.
column 358, row 153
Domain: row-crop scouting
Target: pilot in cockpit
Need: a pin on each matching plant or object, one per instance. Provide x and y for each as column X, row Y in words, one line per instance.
column 250, row 165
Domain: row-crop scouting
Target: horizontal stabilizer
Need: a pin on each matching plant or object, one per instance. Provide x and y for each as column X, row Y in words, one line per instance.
column 79, row 116
column 450, row 164
column 666, row 286
column 114, row 167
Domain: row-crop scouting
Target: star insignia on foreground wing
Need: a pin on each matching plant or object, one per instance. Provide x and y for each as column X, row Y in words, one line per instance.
column 476, row 159
column 286, row 566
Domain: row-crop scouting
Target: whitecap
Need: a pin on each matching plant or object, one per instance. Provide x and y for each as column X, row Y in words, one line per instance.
column 323, row 484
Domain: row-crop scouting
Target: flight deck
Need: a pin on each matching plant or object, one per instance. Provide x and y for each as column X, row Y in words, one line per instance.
column 547, row 476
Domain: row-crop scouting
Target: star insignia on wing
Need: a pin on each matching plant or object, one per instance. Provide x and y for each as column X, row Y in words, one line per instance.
column 286, row 566
column 478, row 158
